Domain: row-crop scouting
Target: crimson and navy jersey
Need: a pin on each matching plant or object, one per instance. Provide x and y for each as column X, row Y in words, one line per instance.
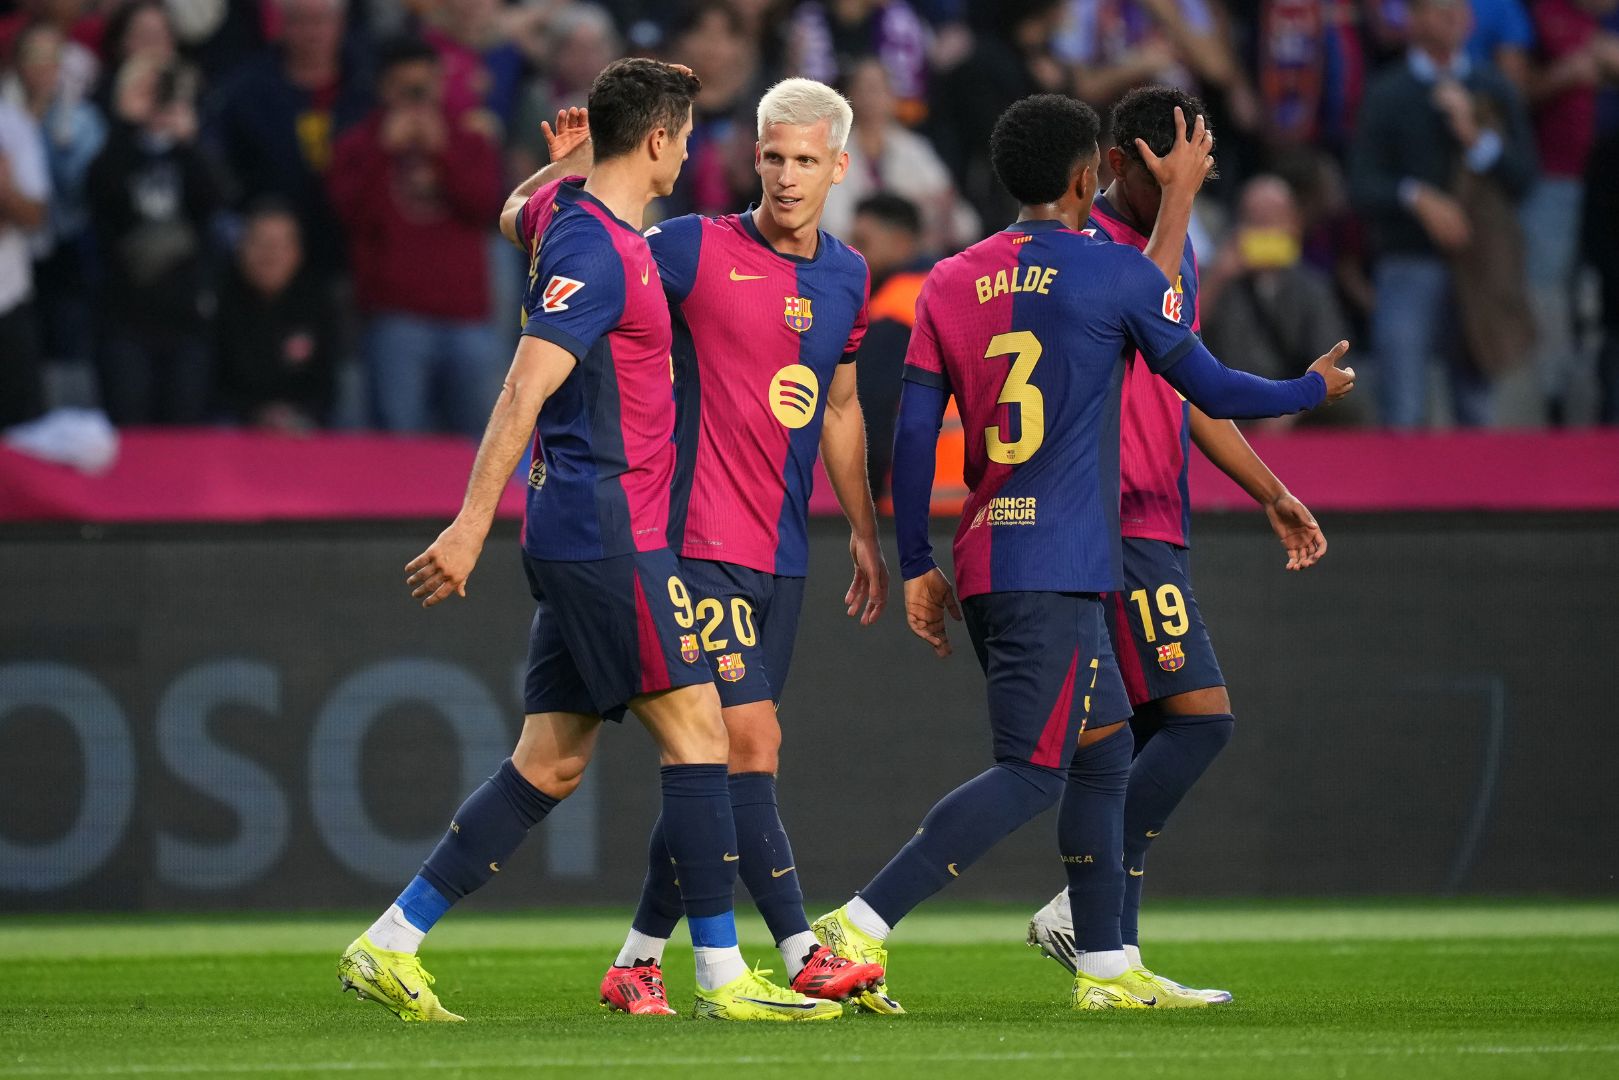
column 1030, row 330
column 604, row 440
column 1154, row 435
column 758, row 337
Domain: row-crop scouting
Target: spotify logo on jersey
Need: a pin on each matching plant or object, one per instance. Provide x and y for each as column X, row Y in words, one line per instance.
column 793, row 391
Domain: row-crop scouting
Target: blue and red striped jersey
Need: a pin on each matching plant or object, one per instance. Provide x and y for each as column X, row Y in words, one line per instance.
column 758, row 336
column 1030, row 330
column 604, row 440
column 1154, row 435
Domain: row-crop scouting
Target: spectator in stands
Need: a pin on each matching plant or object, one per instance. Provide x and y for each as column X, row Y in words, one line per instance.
column 25, row 188
column 886, row 156
column 81, row 33
column 1426, row 119
column 1010, row 59
column 718, row 176
column 1261, row 305
column 580, row 40
column 1503, row 38
column 416, row 192
column 1563, row 88
column 73, row 134
column 888, row 232
column 483, row 67
column 826, row 38
column 152, row 198
column 1311, row 63
column 276, row 337
column 140, row 28
column 276, row 122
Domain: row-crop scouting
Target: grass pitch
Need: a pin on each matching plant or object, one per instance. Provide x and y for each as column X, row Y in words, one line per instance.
column 1361, row 990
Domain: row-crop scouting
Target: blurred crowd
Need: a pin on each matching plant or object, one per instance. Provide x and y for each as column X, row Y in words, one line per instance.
column 281, row 213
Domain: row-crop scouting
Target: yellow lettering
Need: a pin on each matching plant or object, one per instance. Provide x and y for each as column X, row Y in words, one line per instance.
column 1001, row 285
column 985, row 291
column 1045, row 280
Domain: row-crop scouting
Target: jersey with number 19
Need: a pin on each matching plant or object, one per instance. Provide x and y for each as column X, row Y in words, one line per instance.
column 1030, row 330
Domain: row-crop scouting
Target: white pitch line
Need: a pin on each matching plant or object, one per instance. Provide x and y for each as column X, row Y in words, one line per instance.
column 1077, row 1054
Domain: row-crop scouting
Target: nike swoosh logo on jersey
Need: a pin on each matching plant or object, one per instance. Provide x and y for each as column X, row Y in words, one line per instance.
column 782, row 873
column 646, row 273
column 1151, row 833
column 745, row 277
column 1136, row 873
column 730, row 858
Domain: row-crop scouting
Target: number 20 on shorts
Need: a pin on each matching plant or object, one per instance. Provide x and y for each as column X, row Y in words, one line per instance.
column 711, row 613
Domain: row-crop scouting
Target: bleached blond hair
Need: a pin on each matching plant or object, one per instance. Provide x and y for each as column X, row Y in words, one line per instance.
column 803, row 102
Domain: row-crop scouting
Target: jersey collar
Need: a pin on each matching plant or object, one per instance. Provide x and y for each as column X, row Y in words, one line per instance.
column 749, row 227
column 572, row 189
column 1102, row 208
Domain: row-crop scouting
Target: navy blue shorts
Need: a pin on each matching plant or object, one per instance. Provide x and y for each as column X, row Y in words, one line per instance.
column 1158, row 633
column 1050, row 670
column 606, row 631
column 746, row 621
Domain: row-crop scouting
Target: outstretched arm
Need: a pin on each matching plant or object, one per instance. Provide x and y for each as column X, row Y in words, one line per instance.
column 843, row 452
column 1223, row 392
column 537, row 370
column 570, row 149
column 1291, row 520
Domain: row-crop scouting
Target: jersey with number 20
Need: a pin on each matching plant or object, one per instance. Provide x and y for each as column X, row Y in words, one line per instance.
column 1030, row 330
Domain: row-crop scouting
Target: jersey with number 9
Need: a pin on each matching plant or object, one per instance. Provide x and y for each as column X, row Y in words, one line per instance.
column 1030, row 331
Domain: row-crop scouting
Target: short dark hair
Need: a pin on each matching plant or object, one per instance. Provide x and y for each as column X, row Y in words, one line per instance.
column 1038, row 141
column 402, row 49
column 1148, row 113
column 893, row 210
column 634, row 97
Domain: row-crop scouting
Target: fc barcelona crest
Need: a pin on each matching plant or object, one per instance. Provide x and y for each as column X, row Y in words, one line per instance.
column 731, row 667
column 1170, row 657
column 798, row 313
column 688, row 648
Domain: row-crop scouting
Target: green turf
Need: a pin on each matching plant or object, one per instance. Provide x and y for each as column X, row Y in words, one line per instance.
column 1357, row 990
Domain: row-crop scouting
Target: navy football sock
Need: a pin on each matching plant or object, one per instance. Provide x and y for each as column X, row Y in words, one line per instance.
column 701, row 836
column 1164, row 771
column 483, row 834
column 959, row 829
column 767, row 867
column 1088, row 838
column 660, row 908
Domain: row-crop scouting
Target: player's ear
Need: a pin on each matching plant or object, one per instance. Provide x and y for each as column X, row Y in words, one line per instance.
column 840, row 166
column 1116, row 161
column 658, row 143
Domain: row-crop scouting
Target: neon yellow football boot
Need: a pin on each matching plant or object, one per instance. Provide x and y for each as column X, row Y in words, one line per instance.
column 754, row 997
column 836, row 932
column 1178, row 996
column 394, row 980
column 1135, row 989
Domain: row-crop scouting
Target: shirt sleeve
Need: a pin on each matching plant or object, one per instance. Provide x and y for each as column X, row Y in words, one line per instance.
column 1151, row 310
column 862, row 318
column 24, row 147
column 576, row 294
column 677, row 246
column 528, row 217
column 916, row 442
column 924, row 361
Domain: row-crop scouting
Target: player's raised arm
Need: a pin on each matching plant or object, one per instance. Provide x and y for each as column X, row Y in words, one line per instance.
column 537, row 370
column 569, row 146
column 1224, row 445
column 843, row 452
column 1151, row 311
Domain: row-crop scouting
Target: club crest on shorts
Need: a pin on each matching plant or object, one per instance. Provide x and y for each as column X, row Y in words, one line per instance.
column 730, row 667
column 1170, row 657
column 798, row 313
column 688, row 648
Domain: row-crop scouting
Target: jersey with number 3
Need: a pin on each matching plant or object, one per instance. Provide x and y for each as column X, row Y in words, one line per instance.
column 1030, row 331
column 605, row 437
column 759, row 337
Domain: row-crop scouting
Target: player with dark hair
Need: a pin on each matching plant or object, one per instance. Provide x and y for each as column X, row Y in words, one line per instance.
column 589, row 387
column 1182, row 715
column 769, row 311
column 1030, row 330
